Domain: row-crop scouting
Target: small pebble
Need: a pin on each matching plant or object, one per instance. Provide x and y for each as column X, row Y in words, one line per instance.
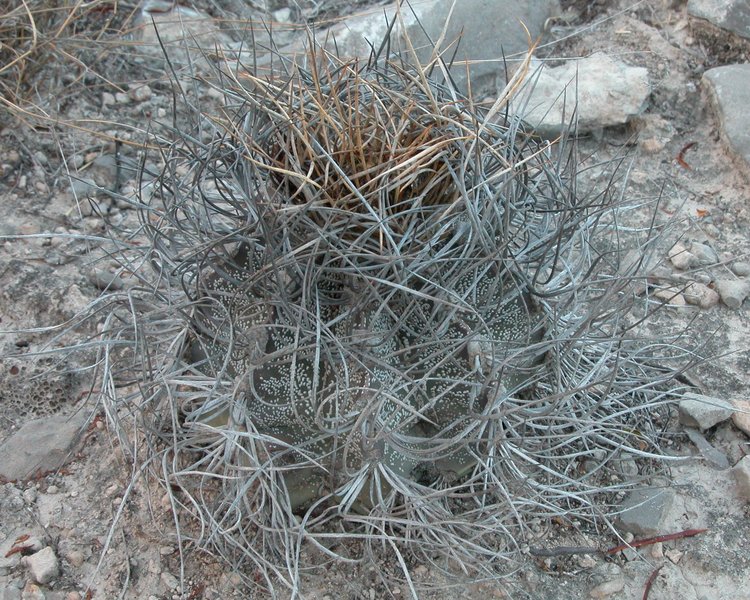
column 741, row 415
column 741, row 473
column 671, row 296
column 703, row 412
column 702, row 277
column 586, row 561
column 611, row 580
column 104, row 280
column 657, row 550
column 122, row 98
column 283, row 15
column 704, row 253
column 652, row 145
column 108, row 99
column 75, row 558
column 733, row 291
column 674, row 555
column 139, row 93
column 681, row 257
column 701, row 295
column 741, row 268
column 43, row 565
column 31, row 591
column 711, row 231
column 170, row 581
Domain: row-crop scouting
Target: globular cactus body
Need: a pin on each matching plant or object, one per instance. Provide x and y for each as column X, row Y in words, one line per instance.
column 392, row 318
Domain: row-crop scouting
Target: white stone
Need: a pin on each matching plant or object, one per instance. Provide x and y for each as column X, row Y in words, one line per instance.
column 170, row 581
column 674, row 555
column 40, row 446
column 586, row 561
column 741, row 415
column 283, row 15
column 681, row 257
column 610, row 578
column 670, row 295
column 741, row 473
column 598, row 90
column 182, row 33
column 704, row 253
column 701, row 295
column 741, row 268
column 703, row 412
column 476, row 22
column 139, row 93
column 733, row 291
column 43, row 566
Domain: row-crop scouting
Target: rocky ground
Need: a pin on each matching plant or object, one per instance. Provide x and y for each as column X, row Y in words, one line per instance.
column 663, row 83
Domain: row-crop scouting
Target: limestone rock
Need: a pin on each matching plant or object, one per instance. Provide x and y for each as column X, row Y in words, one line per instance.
column 43, row 566
column 701, row 295
column 741, row 472
column 489, row 30
column 741, row 416
column 730, row 15
column 733, row 291
column 704, row 253
column 703, row 412
column 182, row 33
column 681, row 258
column 599, row 91
column 740, row 268
column 644, row 510
column 609, row 580
column 729, row 90
column 713, row 455
column 41, row 445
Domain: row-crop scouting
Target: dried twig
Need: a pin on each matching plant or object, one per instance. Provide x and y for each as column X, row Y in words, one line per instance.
column 650, row 582
column 654, row 540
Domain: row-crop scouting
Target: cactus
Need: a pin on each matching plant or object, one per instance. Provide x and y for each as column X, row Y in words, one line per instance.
column 380, row 312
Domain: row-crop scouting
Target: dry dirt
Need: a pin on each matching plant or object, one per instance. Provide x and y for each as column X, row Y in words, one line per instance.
column 45, row 280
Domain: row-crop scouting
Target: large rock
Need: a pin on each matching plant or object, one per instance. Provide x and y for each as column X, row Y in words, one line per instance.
column 741, row 416
column 703, row 412
column 478, row 33
column 644, row 511
column 43, row 566
column 178, row 30
column 730, row 15
column 608, row 579
column 729, row 91
column 594, row 92
column 40, row 446
column 741, row 472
